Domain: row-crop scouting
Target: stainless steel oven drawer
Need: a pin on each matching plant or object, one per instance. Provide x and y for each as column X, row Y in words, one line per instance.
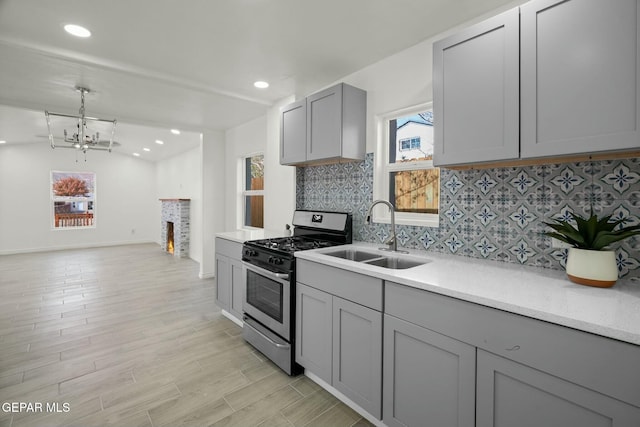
column 269, row 344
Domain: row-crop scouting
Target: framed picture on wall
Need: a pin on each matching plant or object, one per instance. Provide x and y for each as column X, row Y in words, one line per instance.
column 73, row 200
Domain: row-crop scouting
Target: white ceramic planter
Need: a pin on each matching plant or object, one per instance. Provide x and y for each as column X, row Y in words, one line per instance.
column 592, row 268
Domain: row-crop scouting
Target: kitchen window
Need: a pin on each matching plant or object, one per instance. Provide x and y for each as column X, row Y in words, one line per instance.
column 253, row 191
column 404, row 171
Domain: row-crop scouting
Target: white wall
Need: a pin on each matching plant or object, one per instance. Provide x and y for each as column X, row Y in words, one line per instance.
column 180, row 177
column 212, row 150
column 125, row 199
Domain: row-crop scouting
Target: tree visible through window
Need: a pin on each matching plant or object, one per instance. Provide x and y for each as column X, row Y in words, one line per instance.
column 414, row 184
column 253, row 193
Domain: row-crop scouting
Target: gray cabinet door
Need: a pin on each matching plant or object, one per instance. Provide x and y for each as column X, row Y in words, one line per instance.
column 324, row 124
column 293, row 133
column 511, row 394
column 237, row 285
column 429, row 378
column 476, row 93
column 313, row 331
column 223, row 282
column 580, row 62
column 357, row 354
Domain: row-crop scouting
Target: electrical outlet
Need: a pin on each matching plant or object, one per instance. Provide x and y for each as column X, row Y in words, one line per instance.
column 559, row 244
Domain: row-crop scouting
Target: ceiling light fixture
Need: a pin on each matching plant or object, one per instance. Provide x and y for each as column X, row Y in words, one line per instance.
column 3, row 142
column 175, row 131
column 77, row 30
column 261, row 85
column 159, row 142
column 81, row 138
column 146, row 149
column 136, row 154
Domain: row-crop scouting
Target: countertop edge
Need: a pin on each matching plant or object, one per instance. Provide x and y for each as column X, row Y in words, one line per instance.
column 513, row 298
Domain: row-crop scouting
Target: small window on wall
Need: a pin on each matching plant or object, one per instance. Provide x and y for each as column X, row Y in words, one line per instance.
column 253, row 193
column 405, row 174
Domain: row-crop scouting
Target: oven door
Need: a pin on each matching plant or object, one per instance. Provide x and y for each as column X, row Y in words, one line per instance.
column 268, row 299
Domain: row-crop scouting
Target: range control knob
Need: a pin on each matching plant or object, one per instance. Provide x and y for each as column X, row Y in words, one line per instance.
column 250, row 252
column 274, row 260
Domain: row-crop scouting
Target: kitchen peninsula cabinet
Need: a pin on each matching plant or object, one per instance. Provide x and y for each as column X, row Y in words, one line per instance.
column 229, row 276
column 576, row 64
column 339, row 331
column 327, row 126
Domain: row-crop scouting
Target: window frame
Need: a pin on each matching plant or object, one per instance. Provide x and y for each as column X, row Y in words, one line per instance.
column 382, row 169
column 243, row 192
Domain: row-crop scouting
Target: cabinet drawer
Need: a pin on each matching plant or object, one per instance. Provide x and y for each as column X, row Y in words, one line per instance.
column 602, row 364
column 229, row 248
column 361, row 289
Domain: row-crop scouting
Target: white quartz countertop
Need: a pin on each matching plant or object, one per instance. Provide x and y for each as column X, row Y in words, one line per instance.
column 534, row 292
column 242, row 236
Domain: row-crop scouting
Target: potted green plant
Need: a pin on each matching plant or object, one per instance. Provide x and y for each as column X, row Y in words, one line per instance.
column 589, row 261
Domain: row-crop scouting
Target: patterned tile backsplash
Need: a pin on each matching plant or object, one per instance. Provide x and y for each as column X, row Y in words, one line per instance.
column 494, row 214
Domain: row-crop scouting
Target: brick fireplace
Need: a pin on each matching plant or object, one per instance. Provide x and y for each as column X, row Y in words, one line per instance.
column 174, row 229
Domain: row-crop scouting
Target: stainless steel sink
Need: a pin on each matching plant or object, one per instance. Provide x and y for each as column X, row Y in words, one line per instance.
column 353, row 254
column 375, row 258
column 395, row 263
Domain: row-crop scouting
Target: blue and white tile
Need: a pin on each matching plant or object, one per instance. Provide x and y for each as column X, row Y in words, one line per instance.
column 485, row 247
column 620, row 177
column 523, row 252
column 453, row 184
column 486, row 215
column 453, row 243
column 626, row 263
column 486, row 182
column 567, row 179
column 454, row 213
column 523, row 181
column 503, row 198
column 522, row 216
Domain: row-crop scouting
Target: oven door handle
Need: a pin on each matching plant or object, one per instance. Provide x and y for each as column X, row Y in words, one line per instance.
column 269, row 340
column 265, row 272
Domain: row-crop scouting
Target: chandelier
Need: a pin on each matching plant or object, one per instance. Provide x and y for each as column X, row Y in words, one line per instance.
column 86, row 130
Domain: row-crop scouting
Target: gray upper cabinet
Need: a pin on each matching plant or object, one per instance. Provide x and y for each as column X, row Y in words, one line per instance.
column 511, row 394
column 576, row 64
column 293, row 133
column 580, row 69
column 327, row 126
column 429, row 378
column 476, row 93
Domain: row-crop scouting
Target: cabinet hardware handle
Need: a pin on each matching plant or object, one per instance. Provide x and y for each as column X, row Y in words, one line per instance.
column 514, row 348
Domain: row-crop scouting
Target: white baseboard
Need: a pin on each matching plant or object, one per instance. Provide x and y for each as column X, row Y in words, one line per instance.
column 233, row 318
column 344, row 399
column 75, row 246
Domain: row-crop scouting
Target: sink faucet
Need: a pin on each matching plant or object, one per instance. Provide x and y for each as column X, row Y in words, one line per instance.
column 391, row 241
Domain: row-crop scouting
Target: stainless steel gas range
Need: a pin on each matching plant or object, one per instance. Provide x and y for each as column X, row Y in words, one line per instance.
column 269, row 305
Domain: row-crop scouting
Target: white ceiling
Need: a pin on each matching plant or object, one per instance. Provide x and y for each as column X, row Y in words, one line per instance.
column 191, row 64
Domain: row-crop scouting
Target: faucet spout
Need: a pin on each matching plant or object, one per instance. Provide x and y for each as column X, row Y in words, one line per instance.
column 392, row 241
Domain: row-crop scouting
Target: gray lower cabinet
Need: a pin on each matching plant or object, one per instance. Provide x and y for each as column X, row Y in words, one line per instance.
column 337, row 339
column 230, row 279
column 314, row 314
column 357, row 354
column 512, row 394
column 429, row 378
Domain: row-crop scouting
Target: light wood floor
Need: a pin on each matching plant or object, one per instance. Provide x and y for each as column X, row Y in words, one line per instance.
column 130, row 336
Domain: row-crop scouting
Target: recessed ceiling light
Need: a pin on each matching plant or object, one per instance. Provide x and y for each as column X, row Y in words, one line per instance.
column 3, row 142
column 77, row 30
column 261, row 85
column 146, row 149
column 175, row 131
column 159, row 142
column 136, row 154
